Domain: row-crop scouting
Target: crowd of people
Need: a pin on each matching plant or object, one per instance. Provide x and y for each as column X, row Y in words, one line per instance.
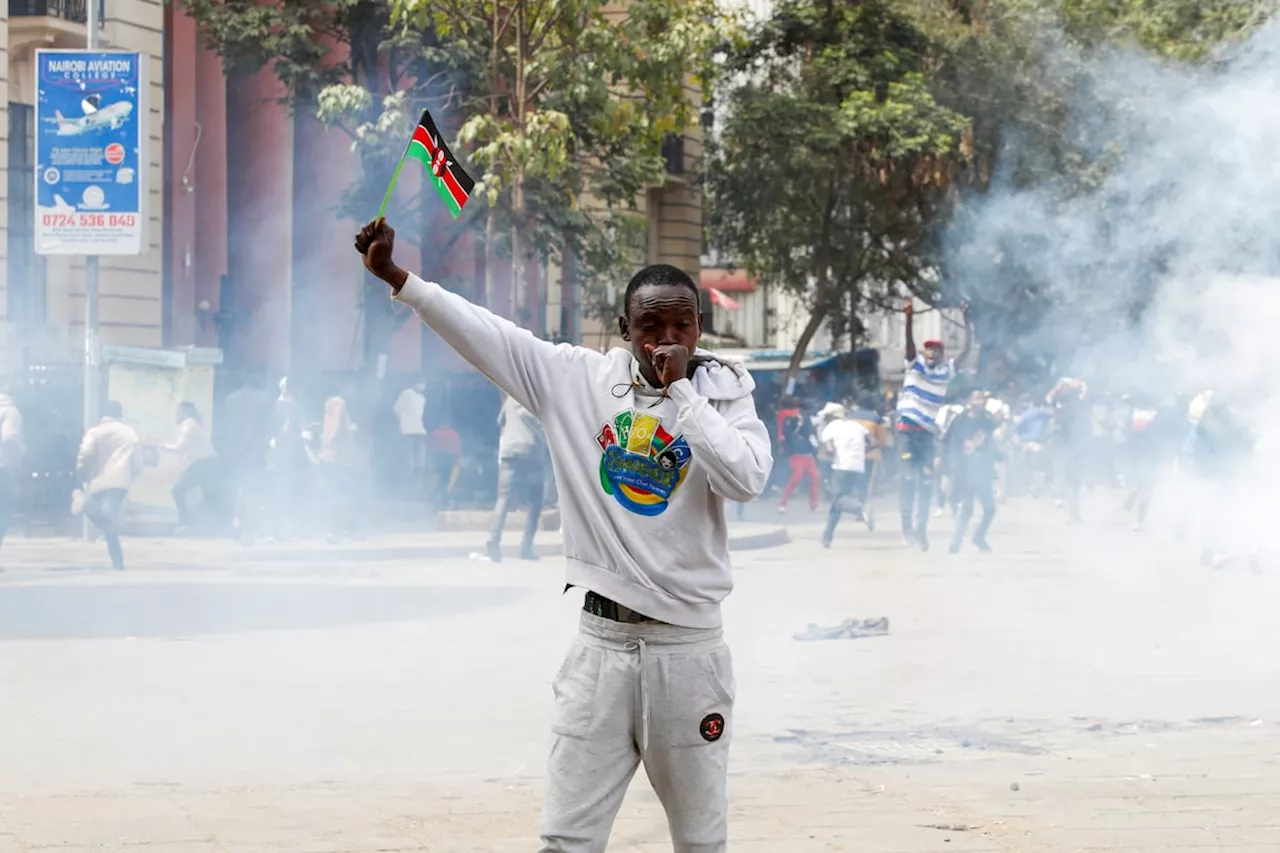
column 284, row 468
column 964, row 449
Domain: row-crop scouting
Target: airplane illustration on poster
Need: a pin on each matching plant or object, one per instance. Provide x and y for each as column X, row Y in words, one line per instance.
column 110, row 117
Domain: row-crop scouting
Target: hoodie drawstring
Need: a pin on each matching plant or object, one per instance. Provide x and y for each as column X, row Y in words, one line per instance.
column 640, row 646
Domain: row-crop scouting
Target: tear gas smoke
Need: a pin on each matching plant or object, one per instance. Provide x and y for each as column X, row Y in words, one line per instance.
column 1164, row 280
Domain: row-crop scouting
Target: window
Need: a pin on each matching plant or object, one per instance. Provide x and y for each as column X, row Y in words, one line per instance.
column 25, row 269
column 673, row 153
column 70, row 10
column 707, row 309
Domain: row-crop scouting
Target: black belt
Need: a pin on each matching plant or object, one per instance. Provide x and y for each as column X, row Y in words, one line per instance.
column 598, row 605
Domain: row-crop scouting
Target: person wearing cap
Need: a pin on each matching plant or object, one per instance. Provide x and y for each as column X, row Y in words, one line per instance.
column 924, row 390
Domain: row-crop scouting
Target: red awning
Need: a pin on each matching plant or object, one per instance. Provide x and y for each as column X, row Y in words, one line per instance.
column 718, row 298
column 728, row 281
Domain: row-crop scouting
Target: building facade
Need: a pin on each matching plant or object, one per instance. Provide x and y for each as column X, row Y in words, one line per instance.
column 246, row 250
column 42, row 298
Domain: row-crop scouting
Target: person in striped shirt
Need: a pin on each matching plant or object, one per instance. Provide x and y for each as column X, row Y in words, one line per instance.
column 924, row 390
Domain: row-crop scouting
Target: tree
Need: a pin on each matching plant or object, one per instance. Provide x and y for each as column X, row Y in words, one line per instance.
column 560, row 105
column 834, row 159
column 1054, row 90
column 567, row 104
column 338, row 58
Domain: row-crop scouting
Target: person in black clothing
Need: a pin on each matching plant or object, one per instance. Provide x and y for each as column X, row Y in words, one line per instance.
column 1072, row 436
column 972, row 456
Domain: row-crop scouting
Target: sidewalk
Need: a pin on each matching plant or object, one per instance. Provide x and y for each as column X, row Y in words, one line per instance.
column 154, row 552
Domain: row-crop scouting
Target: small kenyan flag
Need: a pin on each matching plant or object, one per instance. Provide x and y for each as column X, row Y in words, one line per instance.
column 427, row 146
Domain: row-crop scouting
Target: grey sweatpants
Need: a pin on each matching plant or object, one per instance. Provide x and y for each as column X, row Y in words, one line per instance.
column 632, row 693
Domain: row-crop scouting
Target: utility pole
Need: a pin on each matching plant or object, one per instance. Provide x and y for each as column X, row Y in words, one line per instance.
column 92, row 350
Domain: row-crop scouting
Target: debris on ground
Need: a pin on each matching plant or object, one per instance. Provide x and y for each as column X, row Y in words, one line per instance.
column 849, row 629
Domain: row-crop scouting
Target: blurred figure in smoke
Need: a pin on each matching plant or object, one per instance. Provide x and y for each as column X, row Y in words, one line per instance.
column 1000, row 411
column 409, row 409
column 200, row 466
column 871, row 420
column 941, row 461
column 1030, row 435
column 1150, row 442
column 1220, row 448
column 12, row 452
column 107, row 464
column 522, row 455
column 924, row 390
column 445, row 447
column 848, row 442
column 1072, row 437
column 288, row 462
column 972, row 453
column 339, row 462
column 798, row 441
column 243, row 439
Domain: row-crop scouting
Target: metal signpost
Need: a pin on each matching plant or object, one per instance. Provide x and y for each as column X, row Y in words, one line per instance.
column 91, row 169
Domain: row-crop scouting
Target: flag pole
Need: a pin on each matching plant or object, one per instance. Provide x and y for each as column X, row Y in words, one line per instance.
column 386, row 199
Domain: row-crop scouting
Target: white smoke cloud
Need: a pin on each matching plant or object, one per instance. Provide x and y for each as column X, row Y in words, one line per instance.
column 1187, row 223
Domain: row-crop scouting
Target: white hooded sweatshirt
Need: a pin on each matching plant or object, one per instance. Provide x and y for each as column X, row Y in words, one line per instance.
column 643, row 475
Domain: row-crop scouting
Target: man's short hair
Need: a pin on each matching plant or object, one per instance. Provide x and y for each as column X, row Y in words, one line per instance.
column 659, row 274
column 113, row 409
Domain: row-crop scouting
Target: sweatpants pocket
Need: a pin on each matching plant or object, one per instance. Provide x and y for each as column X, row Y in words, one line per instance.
column 575, row 690
column 698, row 699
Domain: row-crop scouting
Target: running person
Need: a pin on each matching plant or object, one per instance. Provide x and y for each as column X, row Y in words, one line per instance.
column 972, row 453
column 848, row 442
column 924, row 390
column 647, row 445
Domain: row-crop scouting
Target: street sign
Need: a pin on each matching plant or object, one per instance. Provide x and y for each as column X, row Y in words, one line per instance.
column 91, row 152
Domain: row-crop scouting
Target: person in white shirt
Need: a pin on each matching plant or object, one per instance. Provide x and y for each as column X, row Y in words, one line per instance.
column 200, row 468
column 107, row 464
column 647, row 444
column 847, row 441
column 409, row 409
column 521, row 476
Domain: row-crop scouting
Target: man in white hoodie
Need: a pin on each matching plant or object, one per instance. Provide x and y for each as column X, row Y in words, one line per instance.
column 647, row 445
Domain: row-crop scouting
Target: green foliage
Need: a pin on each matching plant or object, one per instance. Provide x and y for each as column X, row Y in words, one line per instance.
column 557, row 107
column 833, row 157
column 567, row 114
column 1052, row 89
column 853, row 135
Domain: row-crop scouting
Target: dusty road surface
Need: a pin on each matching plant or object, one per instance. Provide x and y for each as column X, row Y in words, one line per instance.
column 1079, row 689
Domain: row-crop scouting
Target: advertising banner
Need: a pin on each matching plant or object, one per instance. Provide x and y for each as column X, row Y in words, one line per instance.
column 91, row 152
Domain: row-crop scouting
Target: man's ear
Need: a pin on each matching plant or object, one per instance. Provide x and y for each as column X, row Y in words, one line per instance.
column 623, row 329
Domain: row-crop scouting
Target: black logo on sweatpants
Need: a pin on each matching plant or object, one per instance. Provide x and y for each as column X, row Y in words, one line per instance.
column 712, row 727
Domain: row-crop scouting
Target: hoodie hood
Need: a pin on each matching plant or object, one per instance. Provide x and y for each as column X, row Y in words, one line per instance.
column 720, row 378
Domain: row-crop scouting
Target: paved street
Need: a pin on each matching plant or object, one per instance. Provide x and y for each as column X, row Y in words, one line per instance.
column 1080, row 689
